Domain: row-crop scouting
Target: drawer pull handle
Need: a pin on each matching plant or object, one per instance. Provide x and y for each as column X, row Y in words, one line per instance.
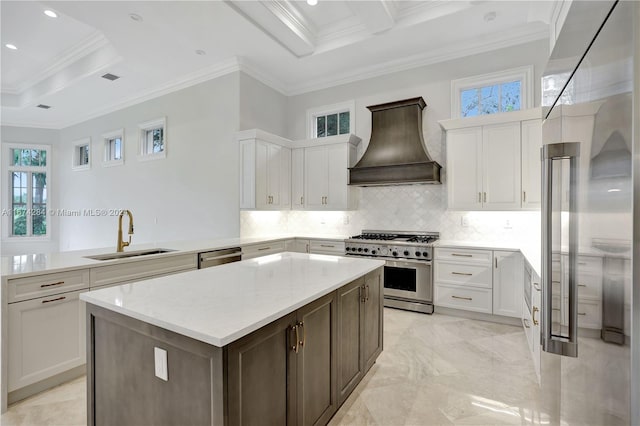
column 463, row 298
column 582, row 263
column 582, row 313
column 461, row 273
column 263, row 248
column 555, row 282
column 54, row 300
column 52, row 284
column 461, row 255
column 326, row 245
column 582, row 285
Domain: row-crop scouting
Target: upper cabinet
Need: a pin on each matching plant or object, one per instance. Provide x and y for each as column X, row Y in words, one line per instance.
column 265, row 171
column 493, row 162
column 321, row 173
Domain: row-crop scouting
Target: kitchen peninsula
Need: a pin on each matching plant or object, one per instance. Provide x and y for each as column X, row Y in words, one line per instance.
column 273, row 340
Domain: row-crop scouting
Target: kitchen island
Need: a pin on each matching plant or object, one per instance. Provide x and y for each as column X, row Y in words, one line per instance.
column 281, row 339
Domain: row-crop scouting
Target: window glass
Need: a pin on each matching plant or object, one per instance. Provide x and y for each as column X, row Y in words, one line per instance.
column 490, row 99
column 332, row 124
column 28, row 190
column 345, row 125
column 19, row 203
column 83, row 158
column 114, row 149
column 39, row 204
column 320, row 126
column 469, row 104
column 510, row 96
column 155, row 140
column 29, row 157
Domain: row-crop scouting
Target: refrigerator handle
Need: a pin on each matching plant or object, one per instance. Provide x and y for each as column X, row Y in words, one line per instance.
column 565, row 342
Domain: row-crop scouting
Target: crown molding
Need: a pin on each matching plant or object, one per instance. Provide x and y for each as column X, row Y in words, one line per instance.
column 250, row 69
column 47, row 126
column 459, row 50
column 68, row 57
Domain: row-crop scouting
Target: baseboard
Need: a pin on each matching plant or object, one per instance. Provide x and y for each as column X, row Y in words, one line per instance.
column 478, row 316
column 46, row 384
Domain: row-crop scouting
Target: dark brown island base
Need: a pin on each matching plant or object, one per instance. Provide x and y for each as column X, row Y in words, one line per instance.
column 296, row 370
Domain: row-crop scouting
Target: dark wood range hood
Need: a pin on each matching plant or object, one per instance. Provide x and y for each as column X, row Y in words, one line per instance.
column 396, row 154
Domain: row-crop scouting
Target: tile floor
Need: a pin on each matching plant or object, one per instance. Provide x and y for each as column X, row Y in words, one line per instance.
column 434, row 370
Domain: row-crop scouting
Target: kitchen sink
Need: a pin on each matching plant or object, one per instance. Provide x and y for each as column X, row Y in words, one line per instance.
column 124, row 255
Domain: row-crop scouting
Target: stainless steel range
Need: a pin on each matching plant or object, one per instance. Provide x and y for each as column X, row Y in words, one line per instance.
column 408, row 277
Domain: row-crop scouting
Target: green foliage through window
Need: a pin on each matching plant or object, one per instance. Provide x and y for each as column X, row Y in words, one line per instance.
column 28, row 192
column 333, row 124
column 490, row 99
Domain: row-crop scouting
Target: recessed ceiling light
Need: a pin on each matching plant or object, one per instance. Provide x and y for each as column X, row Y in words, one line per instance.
column 11, row 46
column 43, row 106
column 312, row 2
column 490, row 16
column 135, row 17
column 50, row 13
column 109, row 76
column 200, row 52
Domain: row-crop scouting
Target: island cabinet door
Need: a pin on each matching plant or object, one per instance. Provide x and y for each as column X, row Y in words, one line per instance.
column 261, row 388
column 373, row 317
column 316, row 362
column 350, row 337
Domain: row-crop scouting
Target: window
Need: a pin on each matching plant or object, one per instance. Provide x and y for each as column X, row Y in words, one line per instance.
column 113, row 148
column 81, row 159
column 331, row 120
column 28, row 191
column 504, row 91
column 153, row 140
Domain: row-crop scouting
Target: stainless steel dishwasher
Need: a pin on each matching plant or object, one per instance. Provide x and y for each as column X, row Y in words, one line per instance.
column 219, row 257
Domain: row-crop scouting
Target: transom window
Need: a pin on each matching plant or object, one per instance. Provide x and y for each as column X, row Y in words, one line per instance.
column 28, row 170
column 81, row 154
column 153, row 140
column 331, row 120
column 113, row 148
column 503, row 91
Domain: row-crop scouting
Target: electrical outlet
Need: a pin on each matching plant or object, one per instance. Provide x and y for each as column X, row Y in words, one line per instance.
column 507, row 224
column 345, row 220
column 464, row 222
column 161, row 367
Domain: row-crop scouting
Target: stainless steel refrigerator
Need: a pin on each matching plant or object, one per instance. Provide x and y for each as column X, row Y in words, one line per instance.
column 590, row 299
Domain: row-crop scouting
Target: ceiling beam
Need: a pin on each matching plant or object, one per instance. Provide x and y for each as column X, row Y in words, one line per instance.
column 280, row 20
column 377, row 16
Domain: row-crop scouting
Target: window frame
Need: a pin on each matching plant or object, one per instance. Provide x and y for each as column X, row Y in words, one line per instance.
column 75, row 157
column 522, row 74
column 313, row 113
column 107, row 137
column 143, row 128
column 8, row 169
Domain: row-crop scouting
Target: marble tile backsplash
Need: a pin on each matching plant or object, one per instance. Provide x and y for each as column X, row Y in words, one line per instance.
column 407, row 207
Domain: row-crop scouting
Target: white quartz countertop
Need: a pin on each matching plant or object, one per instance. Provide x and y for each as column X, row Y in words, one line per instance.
column 222, row 304
column 38, row 263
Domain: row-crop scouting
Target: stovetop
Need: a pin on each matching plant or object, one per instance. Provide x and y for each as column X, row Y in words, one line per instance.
column 392, row 244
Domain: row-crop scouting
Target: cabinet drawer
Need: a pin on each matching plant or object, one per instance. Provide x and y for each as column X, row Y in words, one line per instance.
column 327, row 247
column 142, row 269
column 464, row 274
column 589, row 314
column 46, row 337
column 256, row 250
column 466, row 255
column 590, row 264
column 590, row 286
column 48, row 284
column 469, row 299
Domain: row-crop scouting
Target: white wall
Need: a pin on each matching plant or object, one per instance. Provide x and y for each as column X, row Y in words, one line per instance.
column 192, row 194
column 414, row 207
column 261, row 107
column 24, row 135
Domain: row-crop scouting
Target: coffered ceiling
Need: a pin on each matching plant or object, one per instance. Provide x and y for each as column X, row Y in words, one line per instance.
column 160, row 46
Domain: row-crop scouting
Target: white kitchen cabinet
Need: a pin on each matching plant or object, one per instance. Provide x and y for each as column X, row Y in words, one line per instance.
column 325, row 173
column 265, row 171
column 139, row 270
column 335, row 247
column 46, row 337
column 297, row 178
column 507, row 283
column 464, row 168
column 531, row 164
column 262, row 249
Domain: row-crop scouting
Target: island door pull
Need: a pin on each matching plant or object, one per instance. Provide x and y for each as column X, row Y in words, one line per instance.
column 301, row 341
column 366, row 293
column 363, row 295
column 295, row 346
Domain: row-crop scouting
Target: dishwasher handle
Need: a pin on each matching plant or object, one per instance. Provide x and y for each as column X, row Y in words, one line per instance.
column 219, row 257
column 210, row 258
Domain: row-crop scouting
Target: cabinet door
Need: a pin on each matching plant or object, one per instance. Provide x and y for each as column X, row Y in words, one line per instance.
column 262, row 175
column 507, row 283
column 316, row 176
column 350, row 337
column 260, row 385
column 531, row 163
column 279, row 177
column 316, row 362
column 373, row 318
column 297, row 178
column 337, row 192
column 464, row 168
column 46, row 337
column 501, row 167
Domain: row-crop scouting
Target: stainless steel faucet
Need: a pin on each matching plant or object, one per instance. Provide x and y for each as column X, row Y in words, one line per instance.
column 123, row 244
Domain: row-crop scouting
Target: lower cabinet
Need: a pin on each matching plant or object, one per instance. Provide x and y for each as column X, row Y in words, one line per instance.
column 507, row 283
column 46, row 337
column 263, row 249
column 359, row 330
